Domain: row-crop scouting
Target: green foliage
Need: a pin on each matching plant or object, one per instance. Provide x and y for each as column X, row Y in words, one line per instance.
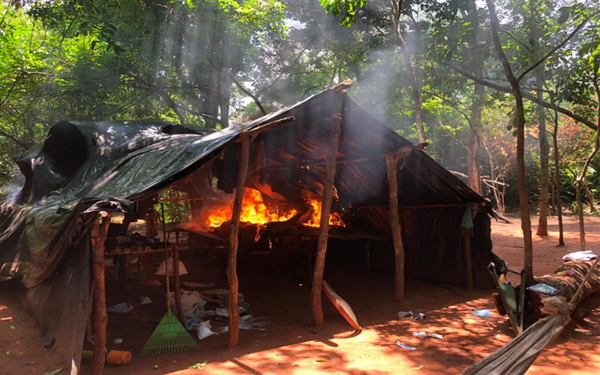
column 345, row 8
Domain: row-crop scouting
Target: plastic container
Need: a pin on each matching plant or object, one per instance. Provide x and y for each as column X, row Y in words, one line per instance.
column 118, row 357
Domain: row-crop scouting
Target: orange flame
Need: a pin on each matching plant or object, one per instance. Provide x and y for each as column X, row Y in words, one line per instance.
column 254, row 211
column 315, row 219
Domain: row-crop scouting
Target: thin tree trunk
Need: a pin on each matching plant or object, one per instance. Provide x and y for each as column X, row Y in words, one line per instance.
column 590, row 197
column 580, row 214
column 542, row 229
column 232, row 305
column 478, row 101
column 323, row 236
column 588, row 161
column 520, row 117
column 225, row 76
column 561, row 237
column 410, row 69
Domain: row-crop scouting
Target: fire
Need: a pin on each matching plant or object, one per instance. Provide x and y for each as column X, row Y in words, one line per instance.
column 315, row 219
column 254, row 210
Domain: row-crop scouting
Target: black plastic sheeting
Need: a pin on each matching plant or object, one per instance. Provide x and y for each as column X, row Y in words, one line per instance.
column 84, row 167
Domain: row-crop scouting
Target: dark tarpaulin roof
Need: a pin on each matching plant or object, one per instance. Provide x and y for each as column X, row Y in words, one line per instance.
column 88, row 166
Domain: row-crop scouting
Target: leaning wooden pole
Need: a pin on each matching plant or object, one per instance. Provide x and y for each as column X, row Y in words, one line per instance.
column 391, row 161
column 234, row 316
column 98, row 235
column 319, row 268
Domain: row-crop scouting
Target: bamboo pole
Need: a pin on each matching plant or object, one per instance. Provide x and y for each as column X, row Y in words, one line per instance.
column 177, row 279
column 234, row 316
column 317, row 285
column 391, row 161
column 98, row 235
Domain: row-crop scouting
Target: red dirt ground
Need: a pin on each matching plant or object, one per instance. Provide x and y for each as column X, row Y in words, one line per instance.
column 289, row 345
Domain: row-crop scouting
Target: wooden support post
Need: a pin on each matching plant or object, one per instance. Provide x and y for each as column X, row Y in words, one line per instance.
column 468, row 260
column 177, row 279
column 98, row 235
column 319, row 267
column 234, row 316
column 391, row 160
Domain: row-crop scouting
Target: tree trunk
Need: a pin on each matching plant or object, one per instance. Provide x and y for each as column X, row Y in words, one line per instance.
column 232, row 304
column 410, row 69
column 561, row 240
column 590, row 197
column 225, row 77
column 581, row 177
column 580, row 214
column 323, row 236
column 542, row 229
column 473, row 154
column 520, row 117
column 478, row 101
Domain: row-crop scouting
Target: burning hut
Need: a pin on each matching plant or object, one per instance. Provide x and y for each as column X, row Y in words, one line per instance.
column 322, row 169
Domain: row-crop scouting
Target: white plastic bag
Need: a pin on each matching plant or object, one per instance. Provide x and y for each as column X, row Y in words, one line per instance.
column 204, row 330
column 161, row 268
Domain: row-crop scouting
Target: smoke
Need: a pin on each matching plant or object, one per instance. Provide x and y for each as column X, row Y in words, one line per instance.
column 10, row 191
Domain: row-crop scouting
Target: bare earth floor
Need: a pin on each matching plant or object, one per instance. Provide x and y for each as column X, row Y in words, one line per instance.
column 291, row 345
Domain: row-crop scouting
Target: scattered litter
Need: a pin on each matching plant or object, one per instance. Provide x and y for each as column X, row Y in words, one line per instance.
column 30, row 363
column 153, row 283
column 12, row 327
column 418, row 367
column 145, row 301
column 8, row 352
column 156, row 367
column 191, row 304
column 484, row 313
column 425, row 334
column 199, row 365
column 118, row 341
column 563, row 273
column 191, row 284
column 580, row 255
column 191, row 323
column 294, row 365
column 120, row 308
column 259, row 324
column 544, row 289
column 404, row 346
column 58, row 370
column 321, row 360
column 161, row 271
column 582, row 331
column 203, row 330
column 404, row 314
column 224, row 311
column 419, row 316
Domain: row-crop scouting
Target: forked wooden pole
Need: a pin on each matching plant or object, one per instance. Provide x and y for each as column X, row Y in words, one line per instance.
column 234, row 316
column 317, row 285
column 391, row 161
column 98, row 235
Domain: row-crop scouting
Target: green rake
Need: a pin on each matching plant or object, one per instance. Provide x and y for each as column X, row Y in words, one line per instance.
column 170, row 336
